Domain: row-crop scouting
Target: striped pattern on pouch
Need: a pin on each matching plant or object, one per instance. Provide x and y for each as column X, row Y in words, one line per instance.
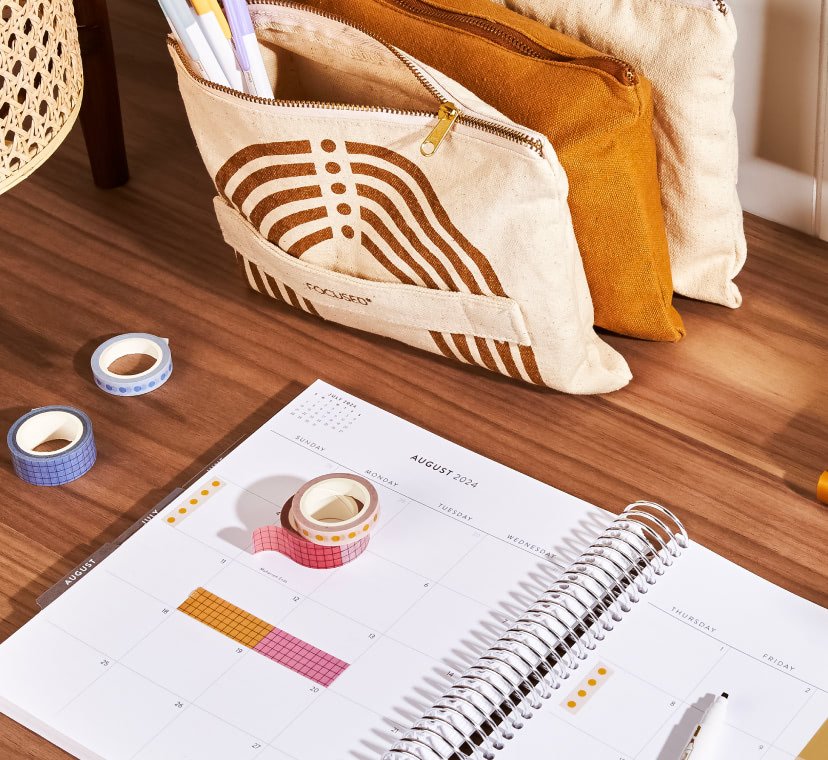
column 398, row 220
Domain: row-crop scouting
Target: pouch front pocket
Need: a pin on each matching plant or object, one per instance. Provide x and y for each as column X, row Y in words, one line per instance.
column 397, row 310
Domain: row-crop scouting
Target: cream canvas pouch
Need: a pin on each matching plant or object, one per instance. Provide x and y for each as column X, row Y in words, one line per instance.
column 376, row 193
column 685, row 48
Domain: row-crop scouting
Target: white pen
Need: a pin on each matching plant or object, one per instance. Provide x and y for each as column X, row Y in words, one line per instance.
column 182, row 21
column 214, row 25
column 703, row 743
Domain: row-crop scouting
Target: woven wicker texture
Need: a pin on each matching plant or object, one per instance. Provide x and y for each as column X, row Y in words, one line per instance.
column 41, row 83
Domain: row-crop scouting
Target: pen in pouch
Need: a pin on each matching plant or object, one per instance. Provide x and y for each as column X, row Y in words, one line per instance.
column 214, row 25
column 247, row 48
column 183, row 22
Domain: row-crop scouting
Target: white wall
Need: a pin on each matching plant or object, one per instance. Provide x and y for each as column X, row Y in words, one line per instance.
column 781, row 62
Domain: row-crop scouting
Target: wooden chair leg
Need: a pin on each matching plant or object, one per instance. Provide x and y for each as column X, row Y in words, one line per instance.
column 101, row 107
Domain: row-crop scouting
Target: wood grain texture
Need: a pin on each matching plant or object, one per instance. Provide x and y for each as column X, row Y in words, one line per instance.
column 728, row 427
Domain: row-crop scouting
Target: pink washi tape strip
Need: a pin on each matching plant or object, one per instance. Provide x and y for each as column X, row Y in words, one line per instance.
column 301, row 657
column 335, row 509
column 284, row 539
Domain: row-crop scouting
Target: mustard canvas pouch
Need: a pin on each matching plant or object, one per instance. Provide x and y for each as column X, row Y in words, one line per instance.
column 595, row 109
column 378, row 193
column 685, row 47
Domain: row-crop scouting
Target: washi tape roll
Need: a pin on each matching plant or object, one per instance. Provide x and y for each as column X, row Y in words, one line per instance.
column 52, row 445
column 132, row 344
column 285, row 539
column 338, row 509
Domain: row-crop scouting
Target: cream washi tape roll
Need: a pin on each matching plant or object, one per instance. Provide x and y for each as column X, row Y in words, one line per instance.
column 52, row 445
column 132, row 344
column 335, row 509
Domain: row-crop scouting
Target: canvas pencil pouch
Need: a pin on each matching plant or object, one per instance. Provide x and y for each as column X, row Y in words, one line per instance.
column 379, row 194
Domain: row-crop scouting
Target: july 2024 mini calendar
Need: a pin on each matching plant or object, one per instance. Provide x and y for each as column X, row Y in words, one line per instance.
column 184, row 643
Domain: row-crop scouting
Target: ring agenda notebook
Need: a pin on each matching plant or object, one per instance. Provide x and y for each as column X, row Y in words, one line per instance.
column 532, row 660
column 176, row 641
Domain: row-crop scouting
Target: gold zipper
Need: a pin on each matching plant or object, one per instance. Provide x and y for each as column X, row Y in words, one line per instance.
column 510, row 38
column 446, row 117
column 500, row 130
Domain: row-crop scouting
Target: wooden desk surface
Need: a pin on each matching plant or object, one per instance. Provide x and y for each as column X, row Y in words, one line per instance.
column 729, row 427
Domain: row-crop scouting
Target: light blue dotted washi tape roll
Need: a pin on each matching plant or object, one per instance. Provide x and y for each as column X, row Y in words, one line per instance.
column 124, row 345
column 52, row 423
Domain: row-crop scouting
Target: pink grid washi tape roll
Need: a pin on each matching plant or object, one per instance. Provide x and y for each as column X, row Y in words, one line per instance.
column 284, row 539
column 335, row 510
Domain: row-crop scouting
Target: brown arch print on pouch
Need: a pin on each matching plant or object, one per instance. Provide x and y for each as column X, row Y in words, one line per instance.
column 401, row 224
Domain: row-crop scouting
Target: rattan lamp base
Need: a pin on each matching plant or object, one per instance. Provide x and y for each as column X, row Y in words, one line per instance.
column 28, row 168
column 41, row 83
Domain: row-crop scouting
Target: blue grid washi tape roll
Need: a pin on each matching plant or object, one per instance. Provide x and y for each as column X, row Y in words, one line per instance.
column 58, row 424
column 126, row 345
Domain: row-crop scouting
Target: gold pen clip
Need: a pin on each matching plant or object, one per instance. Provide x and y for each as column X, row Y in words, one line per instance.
column 446, row 117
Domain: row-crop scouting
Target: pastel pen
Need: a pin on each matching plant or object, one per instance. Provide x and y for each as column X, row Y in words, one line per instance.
column 214, row 25
column 182, row 21
column 703, row 745
column 247, row 48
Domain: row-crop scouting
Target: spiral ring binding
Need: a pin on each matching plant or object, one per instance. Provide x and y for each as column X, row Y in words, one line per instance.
column 572, row 663
column 544, row 689
column 523, row 676
column 571, row 629
column 516, row 641
column 588, row 612
column 426, row 725
column 505, row 720
column 537, row 671
column 489, row 656
column 591, row 557
column 540, row 650
column 643, row 558
column 590, row 563
column 663, row 561
column 434, row 714
column 607, row 593
column 486, row 722
column 604, row 544
column 669, row 546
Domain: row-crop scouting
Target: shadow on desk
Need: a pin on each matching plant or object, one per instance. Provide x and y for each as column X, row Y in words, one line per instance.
column 801, row 468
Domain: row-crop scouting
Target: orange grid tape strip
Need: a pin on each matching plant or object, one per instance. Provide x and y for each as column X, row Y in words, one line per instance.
column 226, row 618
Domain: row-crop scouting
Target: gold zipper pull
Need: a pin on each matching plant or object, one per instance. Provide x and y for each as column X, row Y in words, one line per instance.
column 446, row 116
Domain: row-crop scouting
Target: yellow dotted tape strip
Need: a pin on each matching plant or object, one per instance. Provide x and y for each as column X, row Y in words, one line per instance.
column 350, row 535
column 194, row 500
column 584, row 691
column 226, row 618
